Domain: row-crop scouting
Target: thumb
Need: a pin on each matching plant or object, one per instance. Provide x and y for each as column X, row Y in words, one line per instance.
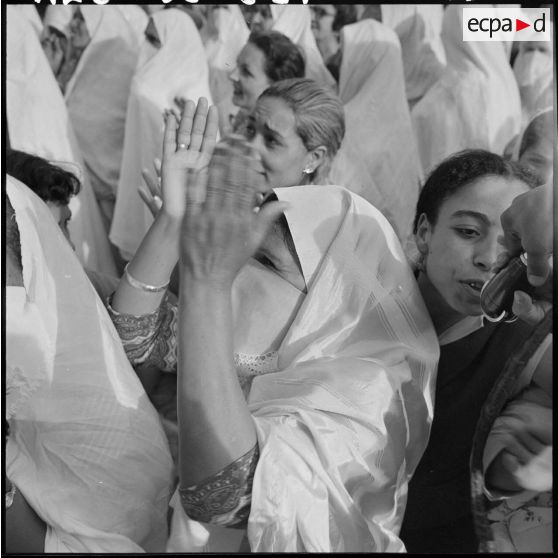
column 524, row 308
column 538, row 268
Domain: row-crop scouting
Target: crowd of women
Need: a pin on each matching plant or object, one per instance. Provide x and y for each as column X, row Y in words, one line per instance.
column 245, row 253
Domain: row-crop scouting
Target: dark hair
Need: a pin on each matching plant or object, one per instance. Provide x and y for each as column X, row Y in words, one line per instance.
column 283, row 59
column 460, row 170
column 319, row 117
column 12, row 239
column 345, row 14
column 50, row 182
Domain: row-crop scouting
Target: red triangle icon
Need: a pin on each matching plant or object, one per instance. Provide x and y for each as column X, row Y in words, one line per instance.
column 519, row 25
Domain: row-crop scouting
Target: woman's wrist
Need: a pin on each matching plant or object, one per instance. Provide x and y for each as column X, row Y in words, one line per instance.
column 197, row 285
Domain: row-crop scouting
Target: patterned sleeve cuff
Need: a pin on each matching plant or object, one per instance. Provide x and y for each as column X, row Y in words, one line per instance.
column 150, row 338
column 225, row 498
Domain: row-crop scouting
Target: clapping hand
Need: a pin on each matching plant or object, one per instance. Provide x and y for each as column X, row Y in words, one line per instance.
column 224, row 226
column 187, row 149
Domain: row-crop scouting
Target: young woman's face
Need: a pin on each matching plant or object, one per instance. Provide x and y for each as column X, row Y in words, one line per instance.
column 271, row 130
column 249, row 78
column 322, row 20
column 258, row 18
column 463, row 245
column 539, row 159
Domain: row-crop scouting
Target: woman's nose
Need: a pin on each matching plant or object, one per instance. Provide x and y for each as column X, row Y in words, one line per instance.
column 256, row 143
column 487, row 253
column 233, row 74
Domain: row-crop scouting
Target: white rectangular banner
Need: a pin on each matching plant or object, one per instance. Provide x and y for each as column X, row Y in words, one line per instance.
column 490, row 23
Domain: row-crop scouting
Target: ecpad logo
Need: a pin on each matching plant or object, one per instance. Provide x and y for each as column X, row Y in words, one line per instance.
column 506, row 24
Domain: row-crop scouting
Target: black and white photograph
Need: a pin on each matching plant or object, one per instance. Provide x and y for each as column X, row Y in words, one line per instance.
column 278, row 277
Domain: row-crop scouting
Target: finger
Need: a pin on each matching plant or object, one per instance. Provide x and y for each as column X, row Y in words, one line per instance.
column 151, row 183
column 157, row 167
column 196, row 190
column 512, row 238
column 169, row 138
column 528, row 311
column 198, row 126
column 525, row 446
column 185, row 127
column 215, row 181
column 153, row 204
column 510, row 462
column 210, row 134
column 538, row 268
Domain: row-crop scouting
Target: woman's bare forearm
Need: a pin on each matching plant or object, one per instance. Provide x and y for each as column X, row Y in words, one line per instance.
column 152, row 264
column 216, row 427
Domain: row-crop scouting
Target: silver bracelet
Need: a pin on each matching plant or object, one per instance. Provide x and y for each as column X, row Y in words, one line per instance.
column 133, row 282
column 10, row 496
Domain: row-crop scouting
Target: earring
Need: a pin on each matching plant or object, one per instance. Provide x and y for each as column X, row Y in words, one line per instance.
column 420, row 263
column 307, row 171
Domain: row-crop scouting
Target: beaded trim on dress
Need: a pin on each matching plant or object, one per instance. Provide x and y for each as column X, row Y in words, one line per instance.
column 248, row 366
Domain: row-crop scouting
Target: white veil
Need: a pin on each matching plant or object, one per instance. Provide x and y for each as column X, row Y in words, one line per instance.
column 86, row 448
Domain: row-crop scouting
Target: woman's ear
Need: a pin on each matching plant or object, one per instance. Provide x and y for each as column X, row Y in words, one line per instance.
column 315, row 158
column 422, row 236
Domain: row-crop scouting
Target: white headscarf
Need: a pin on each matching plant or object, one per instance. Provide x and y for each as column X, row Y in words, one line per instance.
column 222, row 51
column 378, row 158
column 418, row 28
column 136, row 17
column 178, row 68
column 533, row 72
column 38, row 123
column 296, row 23
column 475, row 104
column 86, row 448
column 343, row 423
column 29, row 11
column 97, row 93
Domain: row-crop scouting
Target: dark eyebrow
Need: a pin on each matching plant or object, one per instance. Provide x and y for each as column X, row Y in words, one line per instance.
column 474, row 214
column 273, row 132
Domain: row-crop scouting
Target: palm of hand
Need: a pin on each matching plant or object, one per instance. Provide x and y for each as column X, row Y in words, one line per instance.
column 187, row 150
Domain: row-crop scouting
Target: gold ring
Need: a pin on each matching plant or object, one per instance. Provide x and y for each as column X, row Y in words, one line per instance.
column 182, row 146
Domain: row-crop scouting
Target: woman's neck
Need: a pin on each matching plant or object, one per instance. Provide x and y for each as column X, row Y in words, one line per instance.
column 443, row 316
column 328, row 47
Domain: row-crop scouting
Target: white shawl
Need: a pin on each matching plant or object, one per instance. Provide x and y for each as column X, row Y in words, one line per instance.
column 296, row 23
column 178, row 68
column 97, row 93
column 136, row 18
column 475, row 104
column 418, row 28
column 38, row 123
column 378, row 158
column 86, row 448
column 343, row 423
column 222, row 51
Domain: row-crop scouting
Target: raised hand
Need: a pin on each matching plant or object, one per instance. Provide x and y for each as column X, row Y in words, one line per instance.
column 187, row 149
column 220, row 233
column 528, row 226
